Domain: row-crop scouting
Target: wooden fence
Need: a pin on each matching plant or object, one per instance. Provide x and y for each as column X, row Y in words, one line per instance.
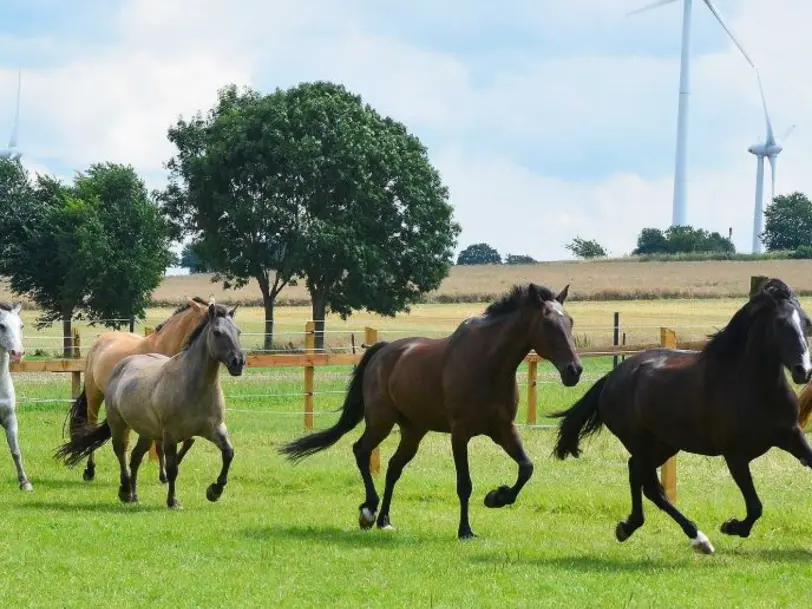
column 310, row 359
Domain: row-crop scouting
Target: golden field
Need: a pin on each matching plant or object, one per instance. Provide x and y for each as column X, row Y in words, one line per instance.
column 695, row 298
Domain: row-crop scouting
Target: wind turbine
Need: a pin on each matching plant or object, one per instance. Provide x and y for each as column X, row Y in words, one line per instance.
column 770, row 148
column 13, row 152
column 680, row 180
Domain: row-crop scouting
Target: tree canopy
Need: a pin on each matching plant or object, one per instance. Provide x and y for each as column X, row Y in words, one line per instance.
column 479, row 253
column 96, row 248
column 586, row 248
column 788, row 223
column 681, row 240
column 310, row 183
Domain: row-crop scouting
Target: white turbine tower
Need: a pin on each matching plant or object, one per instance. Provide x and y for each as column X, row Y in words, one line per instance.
column 770, row 149
column 13, row 152
column 680, row 180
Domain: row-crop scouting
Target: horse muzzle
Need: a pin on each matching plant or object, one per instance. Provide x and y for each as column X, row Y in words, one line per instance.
column 235, row 365
column 571, row 373
column 801, row 374
column 16, row 356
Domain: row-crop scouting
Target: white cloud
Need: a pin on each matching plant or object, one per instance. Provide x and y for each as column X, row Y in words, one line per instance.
column 537, row 143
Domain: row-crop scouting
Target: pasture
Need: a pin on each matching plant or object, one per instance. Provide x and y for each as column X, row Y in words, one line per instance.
column 285, row 535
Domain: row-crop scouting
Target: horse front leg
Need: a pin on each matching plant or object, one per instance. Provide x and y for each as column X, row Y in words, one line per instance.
column 509, row 440
column 459, row 447
column 220, row 437
column 740, row 470
column 795, row 444
column 10, row 425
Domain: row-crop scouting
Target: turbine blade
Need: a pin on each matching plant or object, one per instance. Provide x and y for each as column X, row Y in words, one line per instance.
column 773, row 162
column 786, row 133
column 770, row 134
column 648, row 7
column 721, row 21
column 12, row 142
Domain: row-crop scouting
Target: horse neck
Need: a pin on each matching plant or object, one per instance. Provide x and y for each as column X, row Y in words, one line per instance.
column 198, row 371
column 172, row 336
column 6, row 386
column 509, row 344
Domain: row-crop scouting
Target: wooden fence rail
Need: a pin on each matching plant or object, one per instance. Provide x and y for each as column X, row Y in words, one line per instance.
column 310, row 359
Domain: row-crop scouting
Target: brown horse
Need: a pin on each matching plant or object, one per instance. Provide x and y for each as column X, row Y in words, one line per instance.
column 110, row 348
column 805, row 405
column 730, row 399
column 464, row 384
column 168, row 400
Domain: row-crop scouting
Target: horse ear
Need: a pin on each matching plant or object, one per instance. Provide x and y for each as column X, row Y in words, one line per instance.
column 562, row 295
column 196, row 305
column 17, row 308
column 233, row 310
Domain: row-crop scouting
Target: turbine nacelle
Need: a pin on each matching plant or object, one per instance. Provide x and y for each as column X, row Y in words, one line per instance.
column 765, row 149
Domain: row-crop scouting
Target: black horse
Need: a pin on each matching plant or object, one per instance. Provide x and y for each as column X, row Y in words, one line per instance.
column 730, row 399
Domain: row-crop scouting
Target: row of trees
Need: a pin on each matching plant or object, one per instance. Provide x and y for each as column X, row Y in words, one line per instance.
column 305, row 184
column 482, row 253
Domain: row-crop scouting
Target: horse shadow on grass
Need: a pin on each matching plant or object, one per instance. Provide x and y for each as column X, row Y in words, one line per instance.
column 332, row 535
column 584, row 564
column 101, row 508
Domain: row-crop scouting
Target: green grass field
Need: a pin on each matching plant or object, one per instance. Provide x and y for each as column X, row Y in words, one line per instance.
column 287, row 536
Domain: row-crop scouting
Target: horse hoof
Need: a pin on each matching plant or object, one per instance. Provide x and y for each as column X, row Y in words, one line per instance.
column 387, row 527
column 702, row 544
column 163, row 479
column 366, row 518
column 174, row 504
column 620, row 532
column 469, row 534
column 734, row 527
column 213, row 493
column 499, row 497
column 88, row 475
column 26, row 486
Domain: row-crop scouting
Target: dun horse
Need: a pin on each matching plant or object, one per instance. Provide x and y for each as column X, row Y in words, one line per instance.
column 109, row 349
column 730, row 399
column 168, row 400
column 464, row 384
column 11, row 350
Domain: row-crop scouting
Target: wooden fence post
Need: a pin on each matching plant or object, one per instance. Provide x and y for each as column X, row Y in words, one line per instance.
column 668, row 472
column 370, row 338
column 309, row 374
column 76, row 352
column 532, row 399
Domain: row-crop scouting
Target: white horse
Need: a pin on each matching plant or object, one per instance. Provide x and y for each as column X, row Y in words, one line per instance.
column 11, row 350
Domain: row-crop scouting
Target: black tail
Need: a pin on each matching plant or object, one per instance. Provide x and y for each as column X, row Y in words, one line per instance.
column 351, row 414
column 82, row 443
column 77, row 415
column 580, row 421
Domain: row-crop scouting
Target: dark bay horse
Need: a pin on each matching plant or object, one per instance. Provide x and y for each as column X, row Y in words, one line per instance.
column 464, row 384
column 168, row 400
column 730, row 399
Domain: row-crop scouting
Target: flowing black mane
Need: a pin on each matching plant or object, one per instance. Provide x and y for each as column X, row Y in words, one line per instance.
column 180, row 309
column 219, row 311
column 732, row 339
column 517, row 298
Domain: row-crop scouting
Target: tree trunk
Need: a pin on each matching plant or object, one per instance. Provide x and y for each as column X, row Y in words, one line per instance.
column 67, row 337
column 319, row 318
column 268, row 303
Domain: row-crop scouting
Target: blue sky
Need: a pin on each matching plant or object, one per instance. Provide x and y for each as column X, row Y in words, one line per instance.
column 546, row 119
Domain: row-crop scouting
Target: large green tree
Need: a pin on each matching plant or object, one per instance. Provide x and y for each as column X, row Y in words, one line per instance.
column 96, row 248
column 479, row 253
column 788, row 222
column 310, row 183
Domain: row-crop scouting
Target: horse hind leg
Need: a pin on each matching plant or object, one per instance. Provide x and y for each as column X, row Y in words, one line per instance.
column 509, row 440
column 10, row 426
column 655, row 492
column 94, row 400
column 139, row 450
column 120, row 436
column 626, row 528
column 407, row 448
column 375, row 432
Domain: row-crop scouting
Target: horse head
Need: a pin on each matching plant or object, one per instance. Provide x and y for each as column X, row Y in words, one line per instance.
column 11, row 331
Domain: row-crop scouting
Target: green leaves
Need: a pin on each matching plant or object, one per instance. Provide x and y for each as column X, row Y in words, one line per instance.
column 99, row 246
column 788, row 223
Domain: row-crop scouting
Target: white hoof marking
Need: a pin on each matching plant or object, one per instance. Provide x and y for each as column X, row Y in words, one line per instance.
column 702, row 544
column 368, row 515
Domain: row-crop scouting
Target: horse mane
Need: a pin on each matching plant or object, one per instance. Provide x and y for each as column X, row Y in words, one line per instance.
column 219, row 311
column 6, row 306
column 516, row 298
column 180, row 309
column 732, row 339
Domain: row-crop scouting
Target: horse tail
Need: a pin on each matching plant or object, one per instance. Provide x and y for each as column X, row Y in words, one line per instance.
column 84, row 442
column 805, row 405
column 351, row 414
column 579, row 421
column 77, row 418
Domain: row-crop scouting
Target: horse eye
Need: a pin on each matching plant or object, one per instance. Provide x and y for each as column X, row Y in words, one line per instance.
column 2, row 327
column 218, row 332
